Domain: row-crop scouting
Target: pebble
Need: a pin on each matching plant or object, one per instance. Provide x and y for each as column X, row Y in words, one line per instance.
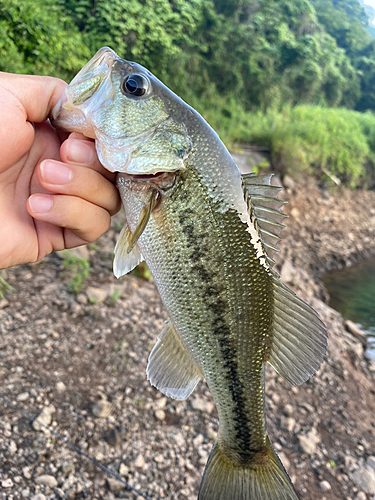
column 38, row 496
column 60, row 386
column 324, row 486
column 309, row 442
column 140, row 462
column 23, row 396
column 44, row 418
column 160, row 414
column 202, row 405
column 114, row 485
column 101, row 409
column 123, row 470
column 7, row 483
column 361, row 495
column 96, row 295
column 46, row 480
column 12, row 448
column 364, row 478
column 179, row 438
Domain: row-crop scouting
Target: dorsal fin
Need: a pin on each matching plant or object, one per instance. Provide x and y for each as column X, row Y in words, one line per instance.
column 266, row 207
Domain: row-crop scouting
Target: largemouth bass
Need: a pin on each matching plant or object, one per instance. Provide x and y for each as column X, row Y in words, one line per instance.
column 208, row 235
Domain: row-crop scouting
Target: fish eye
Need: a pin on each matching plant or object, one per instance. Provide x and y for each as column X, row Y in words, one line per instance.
column 135, row 85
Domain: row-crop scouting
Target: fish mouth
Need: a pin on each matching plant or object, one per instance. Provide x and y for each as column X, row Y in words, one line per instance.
column 162, row 180
column 69, row 113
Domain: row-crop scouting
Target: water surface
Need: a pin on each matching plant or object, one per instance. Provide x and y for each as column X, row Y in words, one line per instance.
column 352, row 293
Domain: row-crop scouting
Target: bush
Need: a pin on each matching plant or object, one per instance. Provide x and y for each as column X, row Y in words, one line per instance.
column 328, row 142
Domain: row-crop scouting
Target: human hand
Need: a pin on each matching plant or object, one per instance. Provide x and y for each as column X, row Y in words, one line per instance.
column 54, row 193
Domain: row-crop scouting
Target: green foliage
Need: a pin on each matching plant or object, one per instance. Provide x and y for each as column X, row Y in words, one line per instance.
column 77, row 270
column 331, row 143
column 39, row 38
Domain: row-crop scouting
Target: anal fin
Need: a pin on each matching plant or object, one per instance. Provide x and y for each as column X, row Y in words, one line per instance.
column 170, row 367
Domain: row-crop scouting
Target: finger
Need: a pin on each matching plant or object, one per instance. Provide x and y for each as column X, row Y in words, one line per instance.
column 86, row 220
column 81, row 182
column 37, row 94
column 80, row 150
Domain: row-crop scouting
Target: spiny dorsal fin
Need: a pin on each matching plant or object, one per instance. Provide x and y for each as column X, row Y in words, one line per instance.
column 266, row 208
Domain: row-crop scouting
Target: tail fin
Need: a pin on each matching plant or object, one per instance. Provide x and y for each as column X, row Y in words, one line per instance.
column 262, row 478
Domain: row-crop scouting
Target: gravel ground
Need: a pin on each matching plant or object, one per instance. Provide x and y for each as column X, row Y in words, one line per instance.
column 77, row 362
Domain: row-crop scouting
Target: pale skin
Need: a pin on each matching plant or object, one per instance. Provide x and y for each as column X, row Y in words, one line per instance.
column 54, row 193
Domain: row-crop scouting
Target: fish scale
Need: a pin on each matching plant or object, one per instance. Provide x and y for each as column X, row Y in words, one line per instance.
column 208, row 235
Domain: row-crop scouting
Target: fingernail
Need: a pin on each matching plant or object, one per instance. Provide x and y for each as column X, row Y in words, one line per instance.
column 40, row 203
column 55, row 173
column 79, row 152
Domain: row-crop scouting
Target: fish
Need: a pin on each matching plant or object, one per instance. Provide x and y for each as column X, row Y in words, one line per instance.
column 208, row 235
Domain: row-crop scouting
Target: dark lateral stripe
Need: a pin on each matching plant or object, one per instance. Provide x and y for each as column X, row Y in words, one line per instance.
column 220, row 329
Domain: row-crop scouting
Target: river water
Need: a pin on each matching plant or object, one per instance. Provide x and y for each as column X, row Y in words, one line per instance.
column 352, row 293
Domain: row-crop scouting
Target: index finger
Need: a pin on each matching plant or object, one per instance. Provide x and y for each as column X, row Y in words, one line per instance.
column 37, row 94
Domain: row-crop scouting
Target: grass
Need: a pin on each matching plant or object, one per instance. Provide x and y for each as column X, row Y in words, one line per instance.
column 78, row 270
column 335, row 144
column 4, row 286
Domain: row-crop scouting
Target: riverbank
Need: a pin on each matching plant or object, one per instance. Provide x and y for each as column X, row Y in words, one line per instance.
column 80, row 361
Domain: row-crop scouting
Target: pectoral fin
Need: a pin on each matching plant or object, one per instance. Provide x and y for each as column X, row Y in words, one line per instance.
column 144, row 217
column 299, row 337
column 125, row 260
column 170, row 367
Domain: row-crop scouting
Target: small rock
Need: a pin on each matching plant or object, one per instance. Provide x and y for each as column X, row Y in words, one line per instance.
column 161, row 403
column 114, row 485
column 356, row 332
column 288, row 272
column 361, row 495
column 81, row 298
column 96, row 295
column 364, row 478
column 3, row 303
column 44, row 419
column 101, row 409
column 12, row 448
column 23, row 396
column 295, row 213
column 140, row 462
column 38, row 496
column 160, row 414
column 60, row 387
column 309, row 442
column 179, row 438
column 198, row 440
column 202, row 405
column 7, row 483
column 324, row 486
column 123, row 470
column 46, row 480
column 113, row 437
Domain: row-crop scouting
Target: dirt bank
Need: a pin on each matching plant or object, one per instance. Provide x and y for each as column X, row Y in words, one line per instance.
column 81, row 358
